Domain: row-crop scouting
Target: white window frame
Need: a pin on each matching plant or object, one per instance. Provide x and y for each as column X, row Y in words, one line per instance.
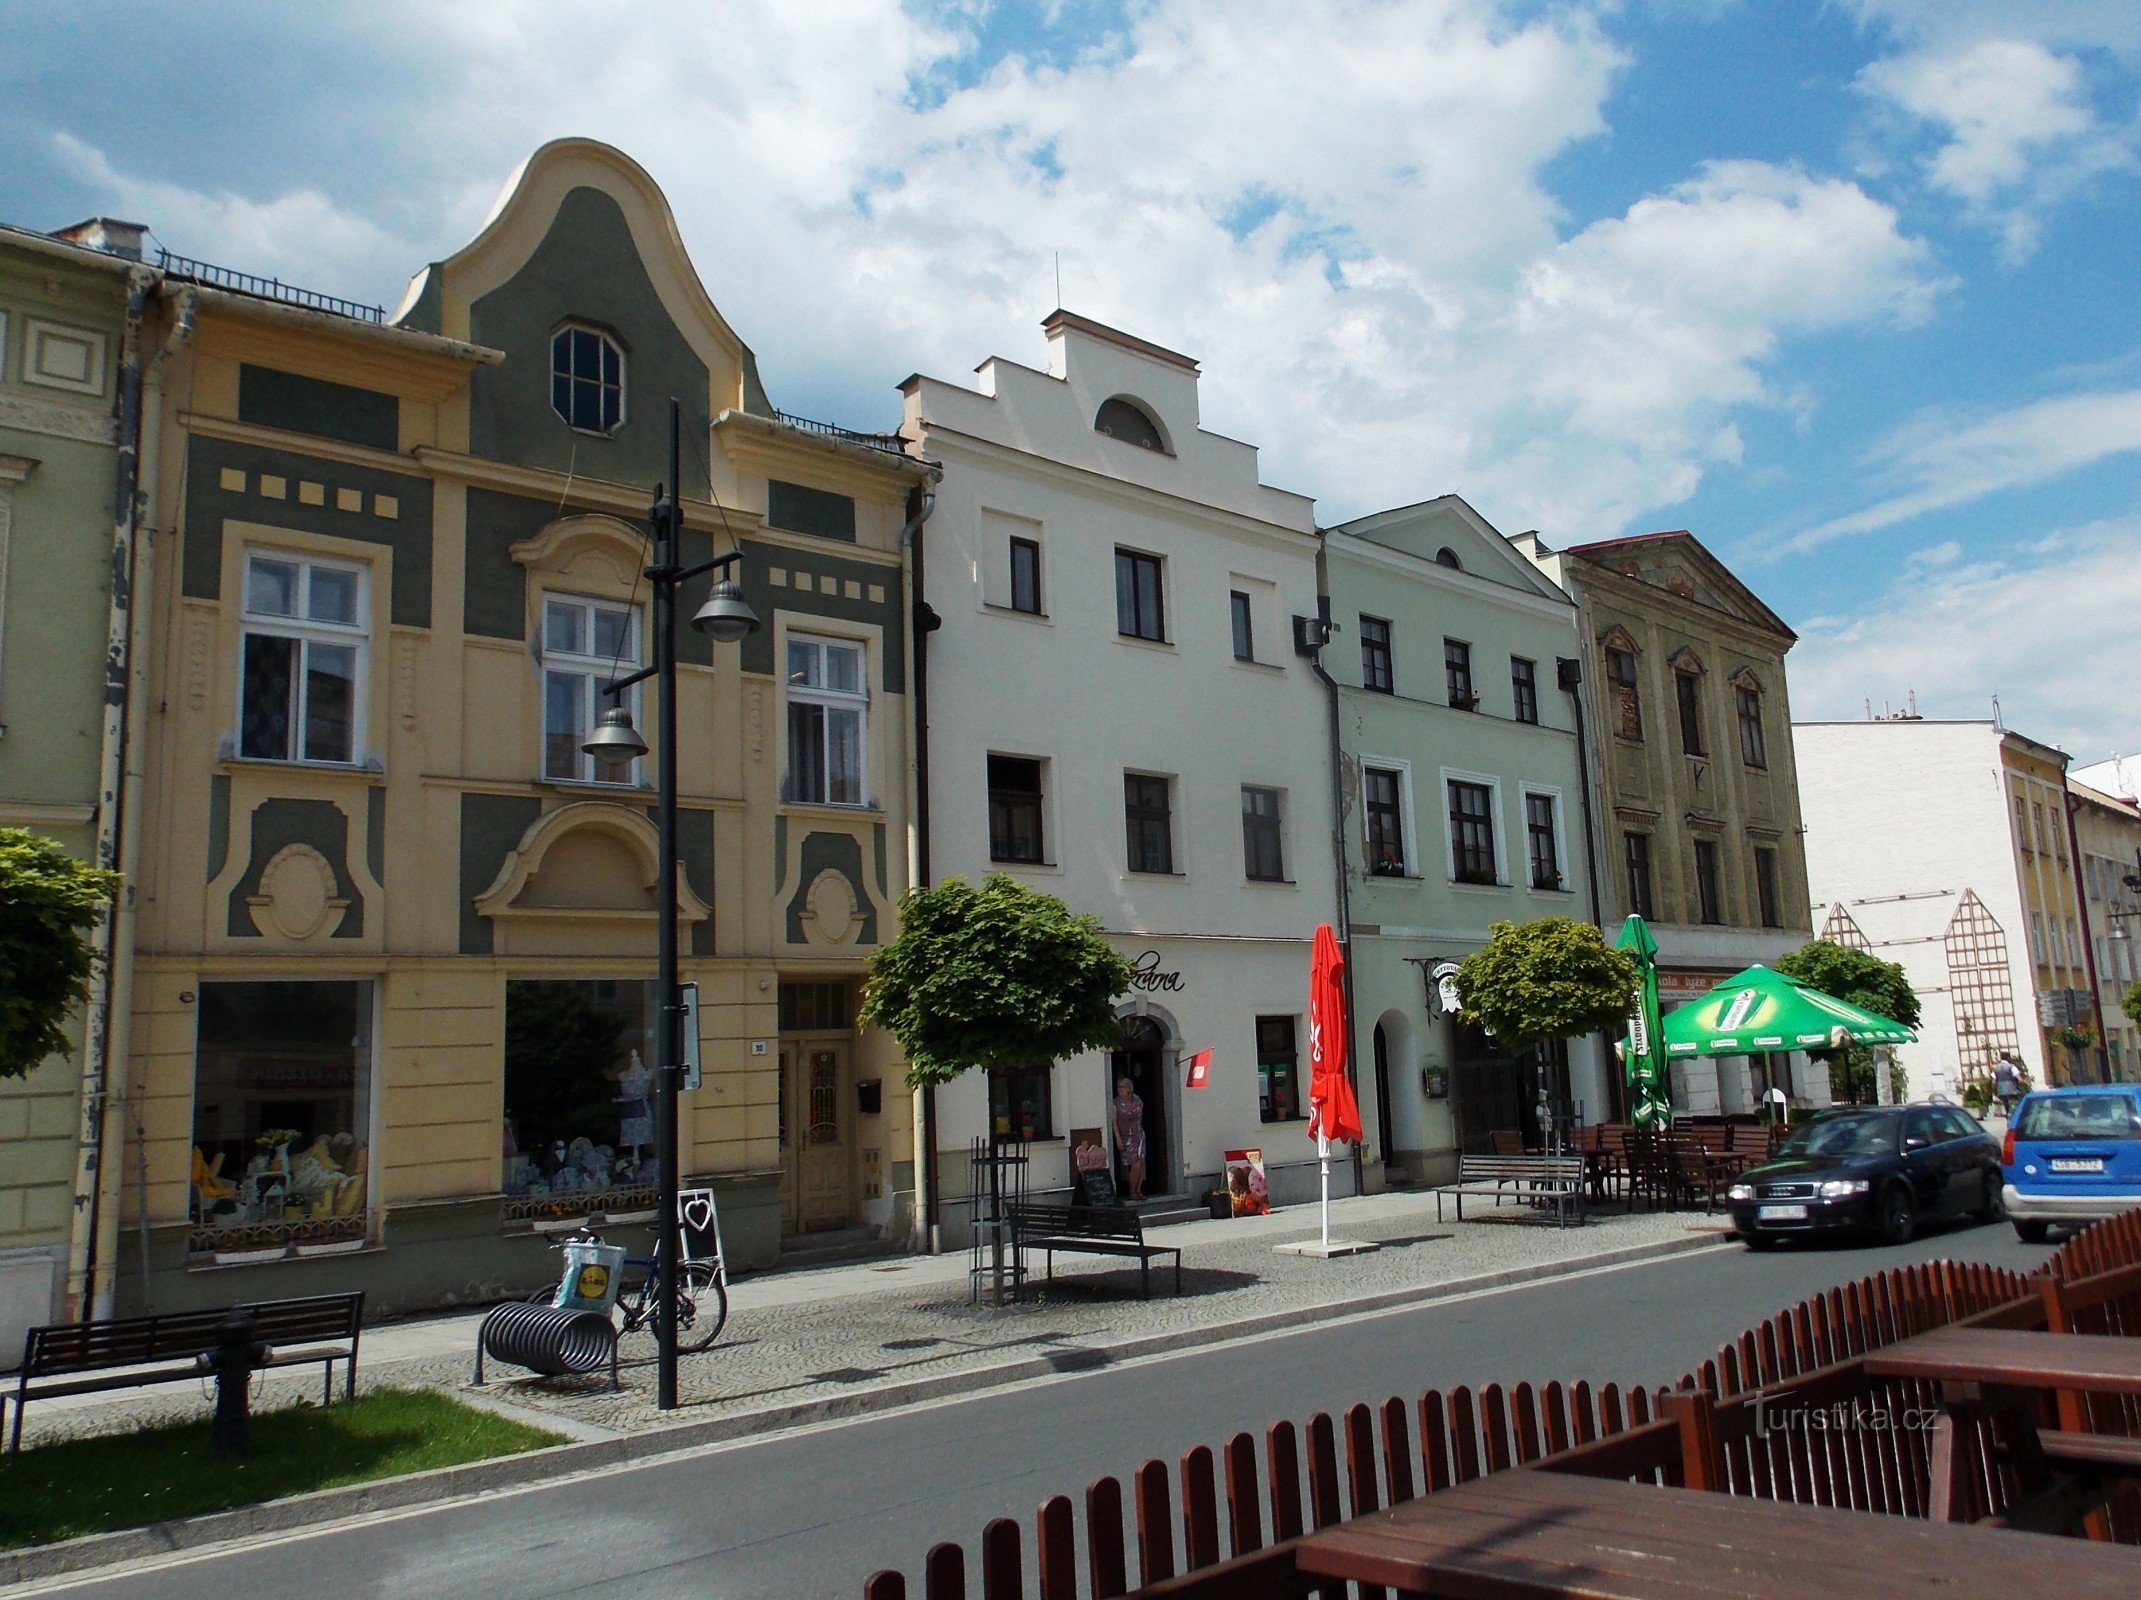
column 857, row 701
column 356, row 636
column 624, row 383
column 1551, row 792
column 1403, row 768
column 1497, row 812
column 594, row 671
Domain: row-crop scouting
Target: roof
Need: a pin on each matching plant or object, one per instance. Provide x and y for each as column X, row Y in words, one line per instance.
column 1757, row 611
column 1059, row 318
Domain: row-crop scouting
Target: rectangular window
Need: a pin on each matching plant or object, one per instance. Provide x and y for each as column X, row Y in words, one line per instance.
column 1687, row 687
column 302, row 660
column 1138, row 608
column 1627, row 704
column 1375, row 670
column 1754, row 751
column 586, row 644
column 1383, row 791
column 1244, row 630
column 1015, row 809
column 1636, row 858
column 828, row 705
column 1541, row 841
column 1765, row 888
column 1278, row 1071
column 1457, row 674
column 1472, row 832
column 1262, row 856
column 282, row 1105
column 1026, row 576
column 1148, row 820
column 1022, row 1103
column 1709, row 893
column 1524, row 686
column 579, row 1109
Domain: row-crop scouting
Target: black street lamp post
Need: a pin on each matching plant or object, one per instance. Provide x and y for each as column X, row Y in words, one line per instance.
column 728, row 618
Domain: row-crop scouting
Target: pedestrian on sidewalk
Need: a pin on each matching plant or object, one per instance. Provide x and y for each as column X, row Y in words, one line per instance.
column 2008, row 1083
column 1130, row 1138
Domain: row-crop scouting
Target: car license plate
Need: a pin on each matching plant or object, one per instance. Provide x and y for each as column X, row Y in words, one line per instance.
column 1781, row 1214
column 2077, row 1163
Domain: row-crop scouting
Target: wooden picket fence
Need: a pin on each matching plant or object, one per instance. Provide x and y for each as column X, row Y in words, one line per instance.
column 1242, row 1505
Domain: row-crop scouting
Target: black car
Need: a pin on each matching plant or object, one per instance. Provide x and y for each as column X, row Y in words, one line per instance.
column 1870, row 1169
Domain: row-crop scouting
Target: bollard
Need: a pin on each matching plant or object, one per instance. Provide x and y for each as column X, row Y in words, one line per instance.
column 232, row 1361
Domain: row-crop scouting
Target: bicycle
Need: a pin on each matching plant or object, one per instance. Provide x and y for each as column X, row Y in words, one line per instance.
column 702, row 1289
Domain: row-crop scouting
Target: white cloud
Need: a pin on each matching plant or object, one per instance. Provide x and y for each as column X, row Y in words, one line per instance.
column 1337, row 206
column 1941, row 461
column 2036, row 633
column 2020, row 130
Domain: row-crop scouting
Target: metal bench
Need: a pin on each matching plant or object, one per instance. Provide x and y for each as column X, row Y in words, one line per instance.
column 1541, row 1179
column 136, row 1352
column 1090, row 1230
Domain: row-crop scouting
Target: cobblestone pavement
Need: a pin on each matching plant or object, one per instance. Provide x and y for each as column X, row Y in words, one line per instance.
column 839, row 1339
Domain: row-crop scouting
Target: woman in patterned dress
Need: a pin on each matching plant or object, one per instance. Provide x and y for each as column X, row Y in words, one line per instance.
column 1130, row 1137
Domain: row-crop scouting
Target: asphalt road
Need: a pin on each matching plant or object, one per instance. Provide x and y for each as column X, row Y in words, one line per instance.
column 811, row 1513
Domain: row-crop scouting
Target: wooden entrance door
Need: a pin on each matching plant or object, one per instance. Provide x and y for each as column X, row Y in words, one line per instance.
column 817, row 1170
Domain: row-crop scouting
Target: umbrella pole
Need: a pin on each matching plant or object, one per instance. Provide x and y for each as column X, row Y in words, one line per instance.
column 1323, row 1160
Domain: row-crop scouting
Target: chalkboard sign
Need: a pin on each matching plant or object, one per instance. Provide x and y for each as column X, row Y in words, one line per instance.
column 1092, row 1172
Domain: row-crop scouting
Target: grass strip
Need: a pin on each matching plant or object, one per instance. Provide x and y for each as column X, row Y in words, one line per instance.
column 73, row 1487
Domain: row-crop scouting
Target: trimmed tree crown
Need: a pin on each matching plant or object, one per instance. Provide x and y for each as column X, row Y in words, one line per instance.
column 993, row 975
column 1554, row 978
column 1864, row 980
column 49, row 903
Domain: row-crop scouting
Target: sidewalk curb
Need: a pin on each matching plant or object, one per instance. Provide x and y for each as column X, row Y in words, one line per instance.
column 442, row 1484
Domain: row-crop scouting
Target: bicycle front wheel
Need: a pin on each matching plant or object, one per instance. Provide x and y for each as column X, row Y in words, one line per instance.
column 702, row 1289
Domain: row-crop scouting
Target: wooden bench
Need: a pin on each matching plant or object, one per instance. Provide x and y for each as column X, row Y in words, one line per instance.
column 1090, row 1230
column 135, row 1352
column 1558, row 1179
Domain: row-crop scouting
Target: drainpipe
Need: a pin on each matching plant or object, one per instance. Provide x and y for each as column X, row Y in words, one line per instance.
column 103, row 1069
column 1568, row 672
column 1310, row 636
column 921, row 503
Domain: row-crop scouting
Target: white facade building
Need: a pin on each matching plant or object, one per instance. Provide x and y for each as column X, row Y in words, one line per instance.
column 1942, row 846
column 1116, row 715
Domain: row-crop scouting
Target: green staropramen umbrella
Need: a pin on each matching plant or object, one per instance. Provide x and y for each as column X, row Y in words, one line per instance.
column 1759, row 1010
column 1643, row 1051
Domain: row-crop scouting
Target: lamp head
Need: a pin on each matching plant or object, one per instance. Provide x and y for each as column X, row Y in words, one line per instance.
column 615, row 742
column 727, row 616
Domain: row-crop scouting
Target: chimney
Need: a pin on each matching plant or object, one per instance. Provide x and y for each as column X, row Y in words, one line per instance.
column 108, row 234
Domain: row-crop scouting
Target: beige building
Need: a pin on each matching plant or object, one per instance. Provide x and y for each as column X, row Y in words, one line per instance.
column 391, row 1012
column 1698, row 794
column 2107, row 844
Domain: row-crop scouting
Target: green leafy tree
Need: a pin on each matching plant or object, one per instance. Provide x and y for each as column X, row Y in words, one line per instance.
column 1551, row 979
column 2131, row 1004
column 994, row 975
column 1868, row 982
column 49, row 905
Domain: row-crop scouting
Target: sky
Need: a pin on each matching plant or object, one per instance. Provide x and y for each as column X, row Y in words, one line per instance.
column 1847, row 289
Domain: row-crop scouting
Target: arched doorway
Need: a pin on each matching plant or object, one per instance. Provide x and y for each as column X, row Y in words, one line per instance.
column 1385, row 1141
column 1141, row 1056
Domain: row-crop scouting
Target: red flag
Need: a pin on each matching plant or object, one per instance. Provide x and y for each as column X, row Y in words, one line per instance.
column 1200, row 1070
column 1332, row 1111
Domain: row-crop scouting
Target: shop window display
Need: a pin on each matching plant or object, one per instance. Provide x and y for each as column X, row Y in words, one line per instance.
column 579, row 1098
column 281, row 1116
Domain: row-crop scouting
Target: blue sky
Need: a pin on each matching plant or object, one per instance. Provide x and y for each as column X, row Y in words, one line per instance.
column 1848, row 289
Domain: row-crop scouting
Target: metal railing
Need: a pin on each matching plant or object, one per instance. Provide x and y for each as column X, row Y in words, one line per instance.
column 206, row 272
column 890, row 443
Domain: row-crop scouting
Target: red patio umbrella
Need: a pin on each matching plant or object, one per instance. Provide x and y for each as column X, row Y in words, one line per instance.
column 1333, row 1113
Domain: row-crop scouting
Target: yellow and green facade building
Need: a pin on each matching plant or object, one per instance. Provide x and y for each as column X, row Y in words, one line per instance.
column 390, row 993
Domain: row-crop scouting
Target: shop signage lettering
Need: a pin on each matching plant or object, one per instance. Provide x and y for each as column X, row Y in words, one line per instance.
column 1147, row 978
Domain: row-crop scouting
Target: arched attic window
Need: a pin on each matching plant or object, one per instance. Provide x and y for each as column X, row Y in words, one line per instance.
column 1446, row 557
column 1128, row 421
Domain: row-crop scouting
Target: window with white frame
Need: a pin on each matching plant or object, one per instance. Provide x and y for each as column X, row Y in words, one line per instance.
column 586, row 645
column 828, row 710
column 1473, row 857
column 1542, row 839
column 586, row 379
column 302, row 662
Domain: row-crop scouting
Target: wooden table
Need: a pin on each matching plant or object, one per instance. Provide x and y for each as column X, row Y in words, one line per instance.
column 2014, row 1358
column 1526, row 1535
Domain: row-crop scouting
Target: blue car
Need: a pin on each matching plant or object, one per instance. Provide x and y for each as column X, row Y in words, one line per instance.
column 2072, row 1155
